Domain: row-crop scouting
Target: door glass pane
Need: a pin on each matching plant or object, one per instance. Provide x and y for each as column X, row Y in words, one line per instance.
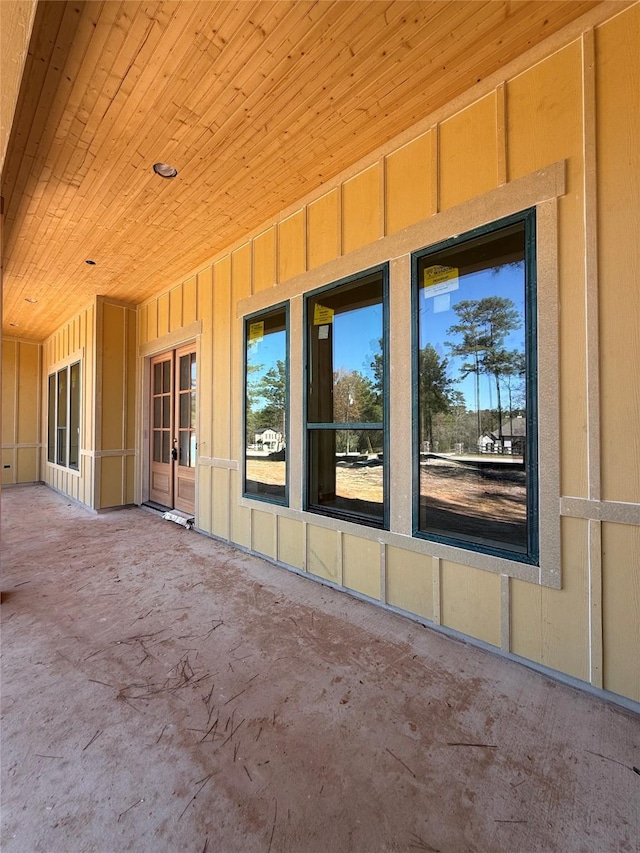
column 166, row 412
column 184, row 411
column 192, row 450
column 183, row 456
column 185, row 372
column 166, row 376
column 193, row 411
column 157, row 378
column 166, row 451
column 193, row 371
column 157, row 446
column 472, row 394
column 157, row 412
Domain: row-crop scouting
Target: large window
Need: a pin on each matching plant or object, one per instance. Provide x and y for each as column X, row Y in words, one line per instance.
column 266, row 392
column 63, row 428
column 346, row 376
column 474, row 376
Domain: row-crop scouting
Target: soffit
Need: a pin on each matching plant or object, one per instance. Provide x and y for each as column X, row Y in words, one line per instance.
column 256, row 104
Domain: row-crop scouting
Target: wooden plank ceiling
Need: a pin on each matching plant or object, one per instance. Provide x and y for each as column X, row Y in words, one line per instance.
column 255, row 103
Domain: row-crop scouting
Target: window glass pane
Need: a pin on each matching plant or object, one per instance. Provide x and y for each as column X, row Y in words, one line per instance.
column 51, row 431
column 346, row 472
column 345, row 354
column 266, row 405
column 61, row 434
column 472, row 393
column 74, row 414
column 193, row 371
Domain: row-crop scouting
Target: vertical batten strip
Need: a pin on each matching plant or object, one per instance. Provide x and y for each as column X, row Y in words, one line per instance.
column 590, row 200
column 383, row 573
column 596, row 647
column 435, row 575
column 382, row 172
column 591, row 262
column 505, row 613
column 501, row 133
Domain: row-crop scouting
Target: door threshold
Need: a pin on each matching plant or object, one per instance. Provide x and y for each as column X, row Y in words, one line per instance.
column 155, row 505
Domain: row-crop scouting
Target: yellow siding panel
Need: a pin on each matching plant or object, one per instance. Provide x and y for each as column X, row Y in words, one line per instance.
column 322, row 553
column 9, row 358
column 8, row 466
column 264, row 260
column 152, row 320
column 27, row 465
column 241, row 272
column 323, row 227
column 361, row 209
column 621, row 608
column 291, row 542
column 471, row 601
column 221, row 360
column 240, row 520
column 468, row 153
column 361, row 565
column 408, row 184
column 110, row 481
column 291, row 246
column 163, row 315
column 263, row 533
column 130, row 478
column 29, row 393
column 113, row 376
column 618, row 146
column 203, row 505
column 189, row 301
column 175, row 308
column 205, row 367
column 143, row 323
column 409, row 581
column 220, row 502
column 552, row 626
column 544, row 122
column 131, row 361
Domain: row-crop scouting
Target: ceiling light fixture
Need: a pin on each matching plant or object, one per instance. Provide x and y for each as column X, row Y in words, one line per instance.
column 165, row 170
column 91, row 263
column 30, row 299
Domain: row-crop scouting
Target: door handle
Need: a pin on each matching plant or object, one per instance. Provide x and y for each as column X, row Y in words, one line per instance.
column 174, row 454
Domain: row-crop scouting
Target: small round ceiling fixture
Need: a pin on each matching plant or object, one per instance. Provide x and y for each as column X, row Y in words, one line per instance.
column 30, row 299
column 165, row 170
column 91, row 263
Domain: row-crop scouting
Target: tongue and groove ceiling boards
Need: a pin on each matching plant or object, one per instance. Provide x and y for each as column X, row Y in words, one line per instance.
column 255, row 103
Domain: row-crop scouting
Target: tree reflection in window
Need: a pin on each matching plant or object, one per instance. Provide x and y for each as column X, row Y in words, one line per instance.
column 476, row 454
column 266, row 390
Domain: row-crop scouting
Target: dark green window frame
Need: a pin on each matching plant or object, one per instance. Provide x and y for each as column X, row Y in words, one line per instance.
column 257, row 326
column 322, row 436
column 528, row 551
column 63, row 421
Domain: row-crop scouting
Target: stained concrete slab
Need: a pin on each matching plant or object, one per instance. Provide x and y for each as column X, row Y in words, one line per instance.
column 165, row 692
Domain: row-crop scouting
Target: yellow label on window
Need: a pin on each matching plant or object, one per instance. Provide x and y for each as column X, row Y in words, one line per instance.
column 256, row 331
column 322, row 315
column 438, row 275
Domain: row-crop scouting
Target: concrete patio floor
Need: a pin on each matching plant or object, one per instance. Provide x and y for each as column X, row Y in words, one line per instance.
column 165, row 692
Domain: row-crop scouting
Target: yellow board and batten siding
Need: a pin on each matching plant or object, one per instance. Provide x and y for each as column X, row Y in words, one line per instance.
column 533, row 118
column 21, row 364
